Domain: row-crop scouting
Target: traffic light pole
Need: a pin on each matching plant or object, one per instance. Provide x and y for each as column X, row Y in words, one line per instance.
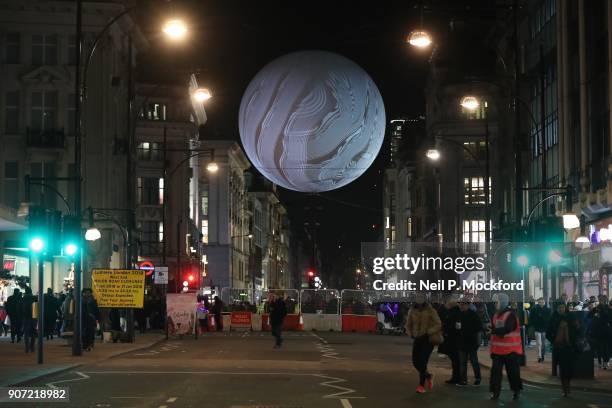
column 41, row 308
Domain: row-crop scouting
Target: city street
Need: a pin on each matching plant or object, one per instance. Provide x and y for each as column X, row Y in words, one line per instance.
column 311, row 370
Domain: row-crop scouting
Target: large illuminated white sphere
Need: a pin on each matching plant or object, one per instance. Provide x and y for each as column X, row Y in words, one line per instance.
column 312, row 121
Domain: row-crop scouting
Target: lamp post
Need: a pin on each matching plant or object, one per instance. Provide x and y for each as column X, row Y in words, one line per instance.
column 175, row 30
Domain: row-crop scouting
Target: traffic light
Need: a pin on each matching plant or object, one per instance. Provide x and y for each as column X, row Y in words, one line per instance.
column 37, row 219
column 311, row 279
column 190, row 281
column 71, row 236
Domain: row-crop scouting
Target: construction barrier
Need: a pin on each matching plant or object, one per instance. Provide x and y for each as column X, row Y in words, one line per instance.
column 322, row 322
column 292, row 322
column 240, row 320
column 358, row 323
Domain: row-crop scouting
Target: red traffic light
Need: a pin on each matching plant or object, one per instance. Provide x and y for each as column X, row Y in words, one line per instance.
column 190, row 278
column 311, row 273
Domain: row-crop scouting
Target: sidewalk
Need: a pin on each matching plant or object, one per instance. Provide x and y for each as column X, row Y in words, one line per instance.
column 539, row 374
column 19, row 368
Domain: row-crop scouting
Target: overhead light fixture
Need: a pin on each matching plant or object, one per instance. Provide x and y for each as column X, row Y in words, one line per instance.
column 92, row 234
column 433, row 154
column 570, row 221
column 419, row 39
column 202, row 94
column 212, row 167
column 470, row 102
column 582, row 242
column 175, row 29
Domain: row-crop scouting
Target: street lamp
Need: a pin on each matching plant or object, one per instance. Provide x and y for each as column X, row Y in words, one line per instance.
column 212, row 167
column 570, row 221
column 433, row 154
column 419, row 39
column 202, row 94
column 175, row 29
column 92, row 234
column 470, row 102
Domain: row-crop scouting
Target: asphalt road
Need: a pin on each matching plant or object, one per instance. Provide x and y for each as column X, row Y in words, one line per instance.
column 335, row 370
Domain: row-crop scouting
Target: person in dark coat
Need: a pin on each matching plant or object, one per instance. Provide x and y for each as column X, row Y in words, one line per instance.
column 451, row 327
column 29, row 320
column 91, row 315
column 51, row 312
column 470, row 327
column 217, row 311
column 601, row 331
column 539, row 318
column 278, row 311
column 563, row 333
column 115, row 324
column 14, row 310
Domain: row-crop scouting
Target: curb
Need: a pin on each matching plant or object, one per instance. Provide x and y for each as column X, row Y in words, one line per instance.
column 556, row 386
column 53, row 371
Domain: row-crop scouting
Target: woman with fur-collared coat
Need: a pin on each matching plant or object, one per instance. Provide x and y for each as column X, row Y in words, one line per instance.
column 424, row 326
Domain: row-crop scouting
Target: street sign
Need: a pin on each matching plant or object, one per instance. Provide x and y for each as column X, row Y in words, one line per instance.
column 147, row 266
column 121, row 288
column 161, row 275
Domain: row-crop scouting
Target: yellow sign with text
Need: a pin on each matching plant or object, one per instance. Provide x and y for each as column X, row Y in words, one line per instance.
column 118, row 287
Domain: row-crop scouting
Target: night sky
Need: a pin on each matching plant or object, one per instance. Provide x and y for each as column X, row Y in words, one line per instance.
column 230, row 41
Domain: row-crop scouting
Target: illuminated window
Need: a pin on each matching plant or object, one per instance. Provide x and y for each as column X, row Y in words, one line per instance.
column 473, row 231
column 205, row 231
column 474, row 190
column 161, row 232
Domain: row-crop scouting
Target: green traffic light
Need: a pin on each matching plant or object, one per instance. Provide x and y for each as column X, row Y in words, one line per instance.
column 70, row 249
column 522, row 260
column 37, row 244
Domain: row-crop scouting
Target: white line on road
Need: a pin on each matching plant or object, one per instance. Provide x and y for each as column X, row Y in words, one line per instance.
column 163, row 406
column 331, row 382
column 171, row 399
column 81, row 375
column 345, row 403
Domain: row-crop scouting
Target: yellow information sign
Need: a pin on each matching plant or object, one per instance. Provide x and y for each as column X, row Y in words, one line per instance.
column 118, row 287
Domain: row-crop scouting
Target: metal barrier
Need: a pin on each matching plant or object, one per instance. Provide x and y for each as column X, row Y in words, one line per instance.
column 325, row 301
column 359, row 302
column 292, row 302
column 238, row 299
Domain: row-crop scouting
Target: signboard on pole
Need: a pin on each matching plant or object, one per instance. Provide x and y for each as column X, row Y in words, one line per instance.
column 118, row 288
column 181, row 308
column 161, row 275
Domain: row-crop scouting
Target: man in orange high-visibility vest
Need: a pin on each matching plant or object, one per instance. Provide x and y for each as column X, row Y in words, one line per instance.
column 506, row 348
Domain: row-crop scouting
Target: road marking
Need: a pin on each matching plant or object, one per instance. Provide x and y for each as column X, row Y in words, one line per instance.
column 171, row 399
column 331, row 382
column 82, row 376
column 345, row 403
column 163, row 406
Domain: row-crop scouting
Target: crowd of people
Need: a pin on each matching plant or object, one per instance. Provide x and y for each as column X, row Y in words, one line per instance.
column 20, row 316
column 460, row 327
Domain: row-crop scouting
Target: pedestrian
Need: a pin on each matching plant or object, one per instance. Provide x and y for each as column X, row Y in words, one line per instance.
column 68, row 312
column 115, row 324
column 470, row 327
column 539, row 318
column 451, row 326
column 278, row 311
column 4, row 327
column 217, row 310
column 562, row 333
column 91, row 315
column 202, row 314
column 423, row 325
column 601, row 331
column 485, row 320
column 14, row 310
column 30, row 319
column 506, row 348
column 50, row 313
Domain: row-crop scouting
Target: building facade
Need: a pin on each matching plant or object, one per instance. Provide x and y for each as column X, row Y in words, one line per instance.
column 37, row 116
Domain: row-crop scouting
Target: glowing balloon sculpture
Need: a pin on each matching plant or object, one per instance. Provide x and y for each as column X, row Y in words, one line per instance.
column 312, row 121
